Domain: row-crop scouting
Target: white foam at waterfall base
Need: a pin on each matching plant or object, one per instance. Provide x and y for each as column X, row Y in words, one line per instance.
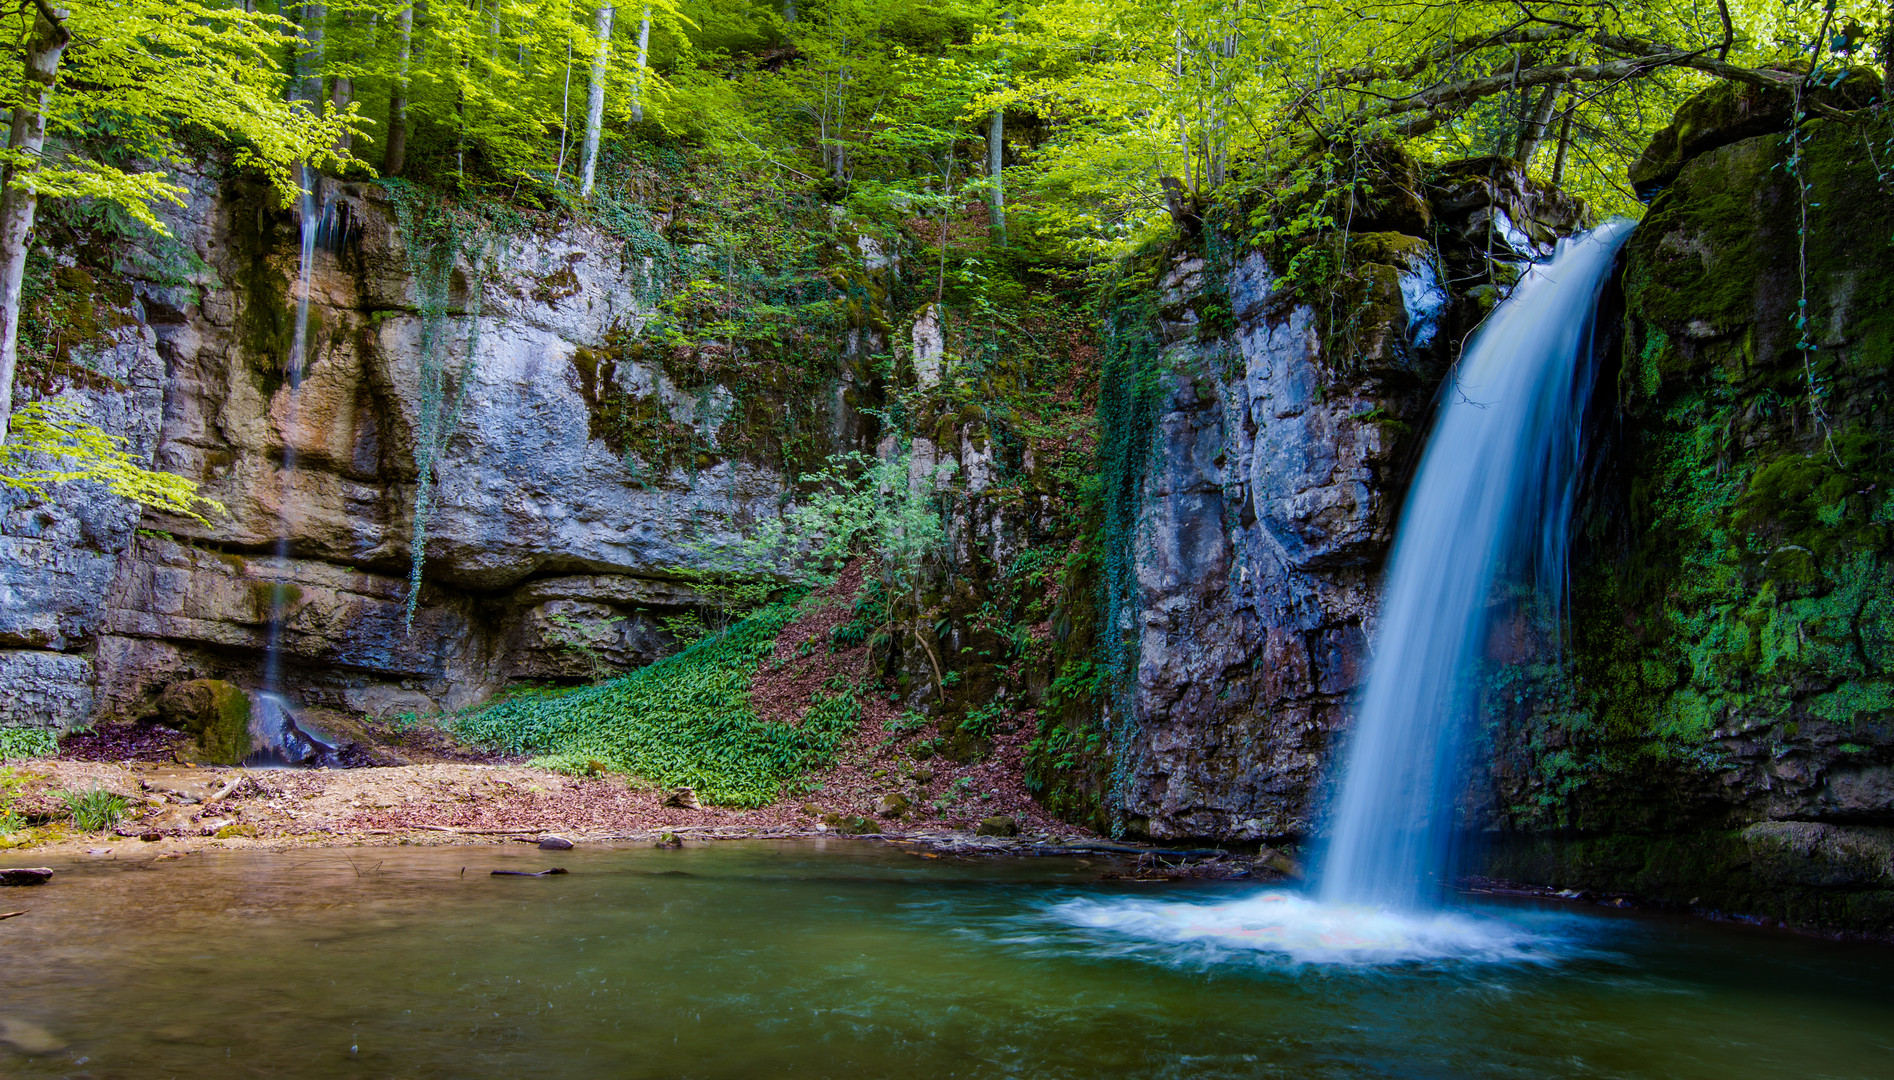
column 1279, row 925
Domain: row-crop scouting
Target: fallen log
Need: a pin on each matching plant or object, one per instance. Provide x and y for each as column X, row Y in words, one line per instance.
column 5, row 915
column 527, row 873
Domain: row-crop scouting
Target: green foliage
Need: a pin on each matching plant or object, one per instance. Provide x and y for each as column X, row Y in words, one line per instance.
column 144, row 75
column 586, row 639
column 683, row 721
column 52, row 443
column 27, row 742
column 11, row 781
column 1131, row 391
column 95, row 809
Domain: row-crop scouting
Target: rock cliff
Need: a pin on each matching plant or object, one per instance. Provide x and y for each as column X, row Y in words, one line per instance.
column 1281, row 451
column 542, row 527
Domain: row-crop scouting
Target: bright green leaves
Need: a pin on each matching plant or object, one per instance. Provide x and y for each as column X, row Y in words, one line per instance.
column 683, row 721
column 142, row 74
column 52, row 443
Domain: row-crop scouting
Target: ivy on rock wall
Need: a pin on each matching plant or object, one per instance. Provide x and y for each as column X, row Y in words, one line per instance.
column 1734, row 622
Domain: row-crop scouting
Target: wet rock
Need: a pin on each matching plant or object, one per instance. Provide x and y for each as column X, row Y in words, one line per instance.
column 670, row 841
column 217, row 712
column 849, row 824
column 25, row 875
column 999, row 825
column 555, row 843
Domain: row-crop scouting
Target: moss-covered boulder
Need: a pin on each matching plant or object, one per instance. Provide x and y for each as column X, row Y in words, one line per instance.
column 1729, row 112
column 217, row 712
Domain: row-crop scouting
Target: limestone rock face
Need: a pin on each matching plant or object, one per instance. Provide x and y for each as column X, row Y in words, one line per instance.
column 1280, row 457
column 538, row 533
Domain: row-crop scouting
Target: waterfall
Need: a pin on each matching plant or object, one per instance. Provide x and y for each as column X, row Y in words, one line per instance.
column 275, row 736
column 1495, row 487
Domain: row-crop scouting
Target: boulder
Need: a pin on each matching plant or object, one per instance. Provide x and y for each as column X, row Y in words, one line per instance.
column 25, row 875
column 1730, row 112
column 999, row 825
column 849, row 824
column 217, row 712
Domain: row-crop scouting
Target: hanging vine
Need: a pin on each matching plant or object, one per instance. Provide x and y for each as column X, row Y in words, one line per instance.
column 436, row 237
column 1798, row 173
column 1130, row 394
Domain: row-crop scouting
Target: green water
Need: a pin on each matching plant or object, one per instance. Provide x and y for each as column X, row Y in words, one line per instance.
column 845, row 959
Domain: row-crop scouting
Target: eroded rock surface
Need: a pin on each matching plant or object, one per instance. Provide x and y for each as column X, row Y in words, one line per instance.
column 551, row 553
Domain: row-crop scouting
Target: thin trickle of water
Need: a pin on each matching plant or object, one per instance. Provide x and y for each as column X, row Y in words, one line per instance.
column 1496, row 483
column 272, row 720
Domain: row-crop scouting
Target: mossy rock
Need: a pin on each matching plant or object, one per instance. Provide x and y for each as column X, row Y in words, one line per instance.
column 850, row 824
column 998, row 825
column 217, row 712
column 1728, row 112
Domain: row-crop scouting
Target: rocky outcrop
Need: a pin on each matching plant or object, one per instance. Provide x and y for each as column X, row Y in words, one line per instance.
column 1280, row 456
column 1718, row 728
column 554, row 540
column 1733, row 632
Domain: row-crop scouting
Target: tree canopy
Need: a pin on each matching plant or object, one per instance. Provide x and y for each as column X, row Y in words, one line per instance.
column 889, row 99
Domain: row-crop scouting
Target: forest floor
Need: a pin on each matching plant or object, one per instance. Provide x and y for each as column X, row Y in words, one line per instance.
column 443, row 792
column 177, row 810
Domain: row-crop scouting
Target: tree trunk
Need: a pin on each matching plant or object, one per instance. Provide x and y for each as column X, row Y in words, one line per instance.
column 341, row 92
column 595, row 102
column 17, row 198
column 995, row 166
column 996, row 154
column 644, row 54
column 1565, row 144
column 309, row 59
column 397, row 151
column 1532, row 133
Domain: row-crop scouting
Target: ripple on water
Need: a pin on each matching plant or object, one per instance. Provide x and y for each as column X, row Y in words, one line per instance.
column 1278, row 926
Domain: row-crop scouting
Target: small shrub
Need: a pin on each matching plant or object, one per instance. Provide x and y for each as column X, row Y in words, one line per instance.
column 94, row 809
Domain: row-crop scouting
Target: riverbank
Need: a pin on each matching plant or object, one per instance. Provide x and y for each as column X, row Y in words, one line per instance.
column 173, row 810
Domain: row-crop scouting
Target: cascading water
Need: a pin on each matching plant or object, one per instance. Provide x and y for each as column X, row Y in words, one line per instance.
column 1496, row 484
column 1495, row 487
column 275, row 735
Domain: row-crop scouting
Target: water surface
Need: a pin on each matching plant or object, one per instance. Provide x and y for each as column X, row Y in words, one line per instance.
column 849, row 959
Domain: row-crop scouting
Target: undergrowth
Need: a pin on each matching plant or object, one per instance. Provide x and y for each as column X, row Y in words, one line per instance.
column 685, row 721
column 27, row 742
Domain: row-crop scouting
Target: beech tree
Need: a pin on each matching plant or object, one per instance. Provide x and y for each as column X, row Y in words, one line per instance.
column 145, row 70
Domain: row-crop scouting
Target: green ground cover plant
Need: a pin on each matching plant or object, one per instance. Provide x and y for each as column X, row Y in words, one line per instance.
column 685, row 721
